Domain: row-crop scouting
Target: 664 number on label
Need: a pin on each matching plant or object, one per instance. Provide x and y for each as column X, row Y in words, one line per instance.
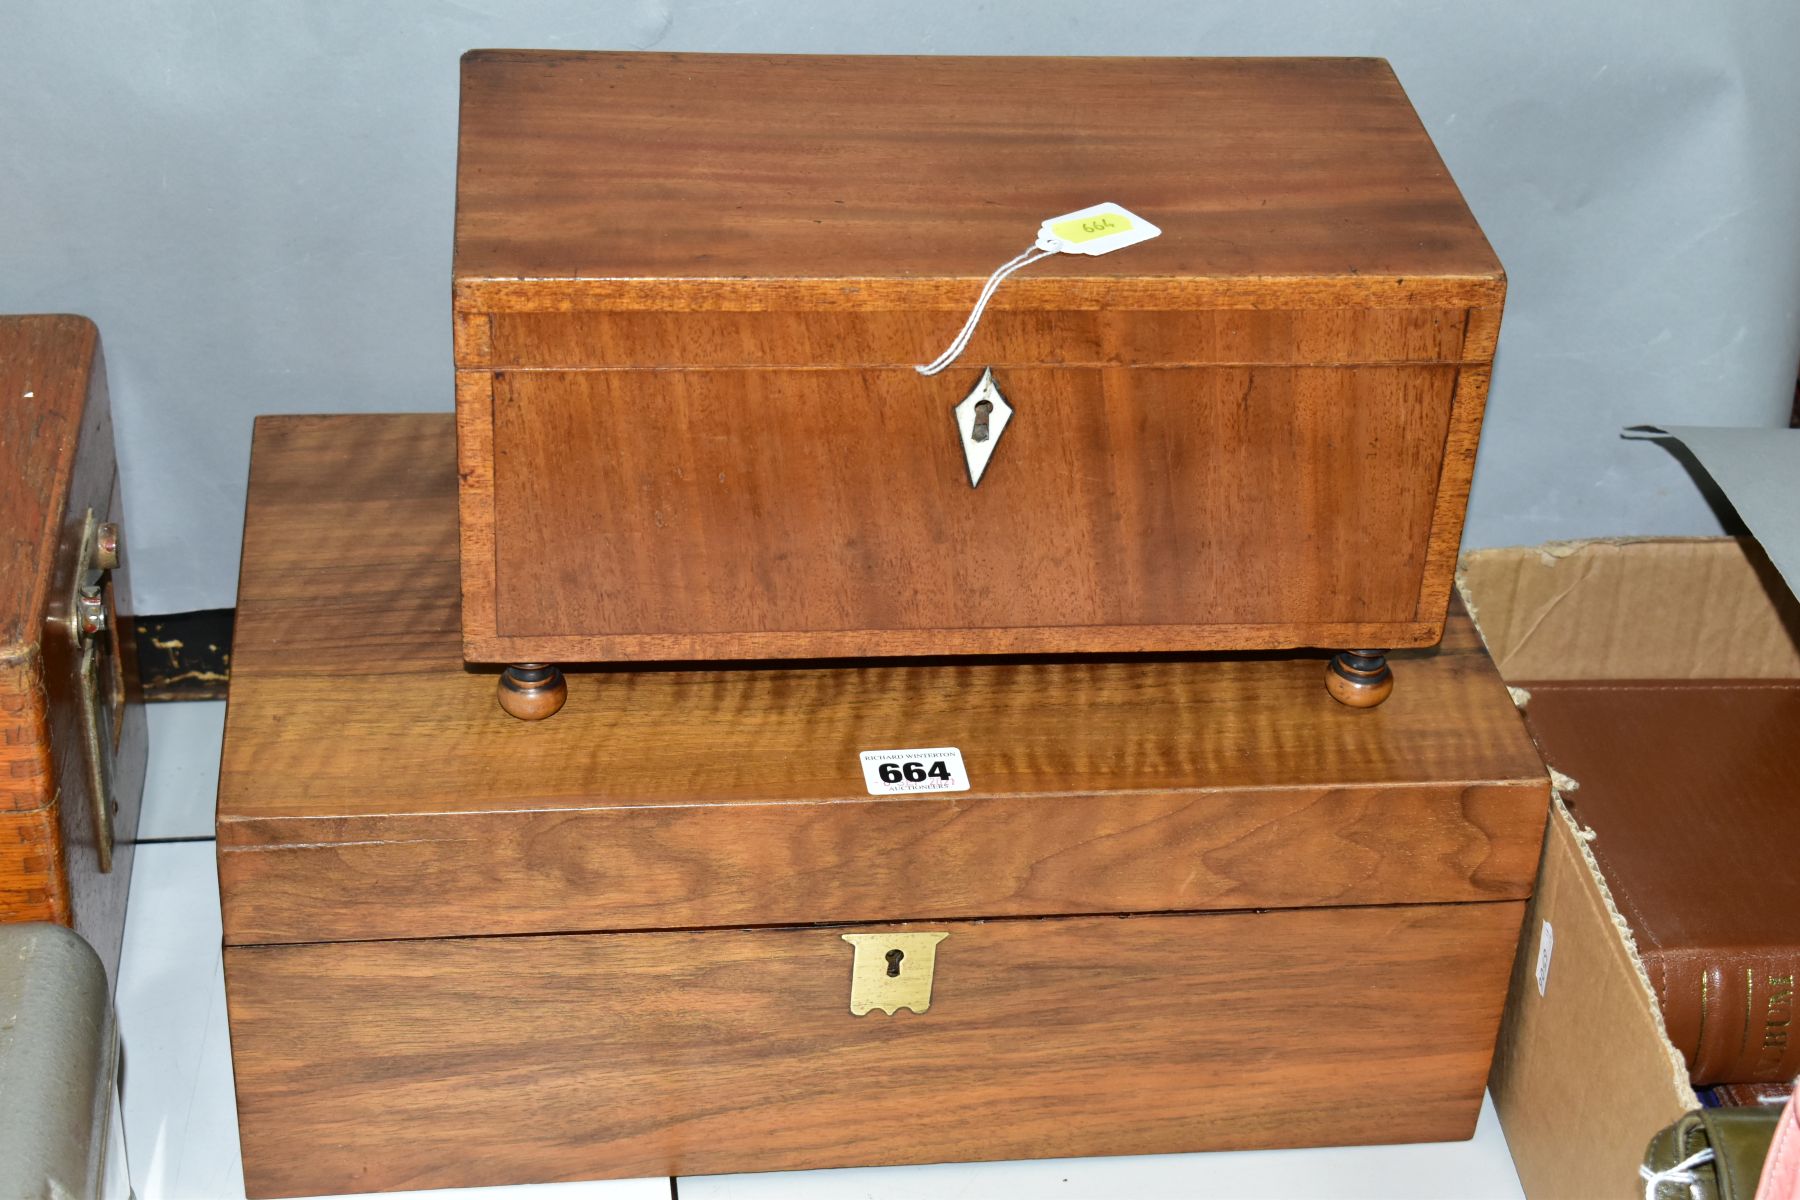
column 914, row 772
column 892, row 772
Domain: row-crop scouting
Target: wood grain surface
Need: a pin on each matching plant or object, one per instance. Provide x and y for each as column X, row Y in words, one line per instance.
column 45, row 366
column 1005, row 338
column 696, row 865
column 461, row 1063
column 34, row 881
column 590, row 174
column 1278, row 496
column 56, row 463
column 687, row 307
column 715, row 796
column 1451, row 505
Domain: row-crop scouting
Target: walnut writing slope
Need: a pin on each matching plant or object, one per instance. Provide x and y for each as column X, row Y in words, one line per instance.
column 1173, row 906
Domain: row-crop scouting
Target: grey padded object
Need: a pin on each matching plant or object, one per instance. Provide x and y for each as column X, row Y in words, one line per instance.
column 58, row 1062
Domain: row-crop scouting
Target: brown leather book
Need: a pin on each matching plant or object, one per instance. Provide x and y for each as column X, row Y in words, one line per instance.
column 1692, row 789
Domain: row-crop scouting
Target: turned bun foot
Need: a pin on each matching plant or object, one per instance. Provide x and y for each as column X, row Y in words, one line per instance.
column 1359, row 678
column 532, row 691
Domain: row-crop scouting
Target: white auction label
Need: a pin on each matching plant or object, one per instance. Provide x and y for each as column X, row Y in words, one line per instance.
column 1546, row 944
column 891, row 772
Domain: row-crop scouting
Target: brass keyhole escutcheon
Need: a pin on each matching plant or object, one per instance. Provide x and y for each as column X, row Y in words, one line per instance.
column 876, row 981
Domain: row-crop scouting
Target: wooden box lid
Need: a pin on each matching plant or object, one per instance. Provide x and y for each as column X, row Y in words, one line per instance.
column 46, row 363
column 371, row 788
column 654, row 181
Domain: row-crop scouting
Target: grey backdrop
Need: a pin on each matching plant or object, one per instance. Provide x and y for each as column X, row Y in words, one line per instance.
column 254, row 202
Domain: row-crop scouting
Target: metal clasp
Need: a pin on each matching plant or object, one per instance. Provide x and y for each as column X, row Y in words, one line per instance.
column 91, row 623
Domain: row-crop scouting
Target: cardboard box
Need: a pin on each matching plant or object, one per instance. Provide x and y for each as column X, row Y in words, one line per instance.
column 1584, row 1072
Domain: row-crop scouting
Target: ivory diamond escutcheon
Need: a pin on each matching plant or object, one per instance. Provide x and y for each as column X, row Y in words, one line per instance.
column 981, row 418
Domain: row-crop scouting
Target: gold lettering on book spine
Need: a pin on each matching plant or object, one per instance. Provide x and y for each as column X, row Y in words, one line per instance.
column 1700, row 1033
column 1778, row 1016
column 1749, row 1010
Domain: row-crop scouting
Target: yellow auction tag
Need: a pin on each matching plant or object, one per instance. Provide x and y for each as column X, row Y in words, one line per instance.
column 1099, row 229
column 1085, row 229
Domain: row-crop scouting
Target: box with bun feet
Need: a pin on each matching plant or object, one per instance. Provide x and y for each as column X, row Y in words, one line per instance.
column 692, row 294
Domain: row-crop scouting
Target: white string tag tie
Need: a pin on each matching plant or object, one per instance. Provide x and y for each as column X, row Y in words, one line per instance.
column 1098, row 229
column 1682, row 1175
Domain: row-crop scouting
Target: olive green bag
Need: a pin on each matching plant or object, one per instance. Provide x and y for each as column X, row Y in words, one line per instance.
column 1712, row 1154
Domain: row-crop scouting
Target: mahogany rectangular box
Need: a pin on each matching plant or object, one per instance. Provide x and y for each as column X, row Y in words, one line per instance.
column 690, row 292
column 1189, row 903
column 72, row 744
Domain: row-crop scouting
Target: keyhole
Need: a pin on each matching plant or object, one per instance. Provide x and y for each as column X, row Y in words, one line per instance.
column 982, row 409
column 894, row 957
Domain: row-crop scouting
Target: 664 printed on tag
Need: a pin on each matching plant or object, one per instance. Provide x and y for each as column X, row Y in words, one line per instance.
column 893, row 772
